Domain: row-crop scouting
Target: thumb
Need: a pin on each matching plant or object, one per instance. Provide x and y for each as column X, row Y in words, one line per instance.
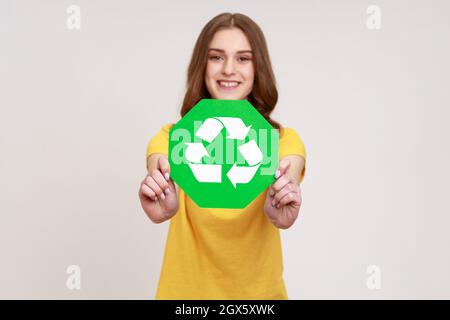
column 283, row 167
column 164, row 167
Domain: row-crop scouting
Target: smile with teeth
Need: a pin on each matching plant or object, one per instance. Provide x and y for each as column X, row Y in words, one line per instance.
column 228, row 84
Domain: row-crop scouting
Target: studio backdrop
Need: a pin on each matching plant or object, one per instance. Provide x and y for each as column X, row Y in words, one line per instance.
column 84, row 85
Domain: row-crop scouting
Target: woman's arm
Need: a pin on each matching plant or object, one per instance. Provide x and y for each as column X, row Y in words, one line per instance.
column 283, row 199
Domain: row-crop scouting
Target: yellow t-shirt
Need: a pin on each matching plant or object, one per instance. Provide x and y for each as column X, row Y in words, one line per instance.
column 217, row 254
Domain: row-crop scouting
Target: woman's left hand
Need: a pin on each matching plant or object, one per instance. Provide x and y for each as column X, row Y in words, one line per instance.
column 283, row 199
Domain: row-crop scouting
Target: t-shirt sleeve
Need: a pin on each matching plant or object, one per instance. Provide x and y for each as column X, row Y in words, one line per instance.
column 159, row 143
column 292, row 144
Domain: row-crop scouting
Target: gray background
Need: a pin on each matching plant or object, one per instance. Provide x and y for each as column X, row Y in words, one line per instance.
column 79, row 106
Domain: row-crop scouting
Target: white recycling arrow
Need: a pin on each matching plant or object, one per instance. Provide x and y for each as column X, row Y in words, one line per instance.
column 207, row 172
column 211, row 128
column 235, row 127
column 251, row 152
column 208, row 131
column 195, row 152
column 241, row 174
column 253, row 155
column 203, row 172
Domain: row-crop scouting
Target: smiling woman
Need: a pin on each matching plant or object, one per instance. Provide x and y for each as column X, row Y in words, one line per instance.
column 216, row 253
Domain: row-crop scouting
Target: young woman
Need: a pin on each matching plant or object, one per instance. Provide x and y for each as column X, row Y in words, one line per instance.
column 215, row 253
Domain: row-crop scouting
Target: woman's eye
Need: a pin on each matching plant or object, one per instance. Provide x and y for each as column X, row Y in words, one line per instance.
column 215, row 58
column 243, row 59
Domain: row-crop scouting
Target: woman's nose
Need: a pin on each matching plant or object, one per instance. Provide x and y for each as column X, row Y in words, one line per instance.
column 228, row 66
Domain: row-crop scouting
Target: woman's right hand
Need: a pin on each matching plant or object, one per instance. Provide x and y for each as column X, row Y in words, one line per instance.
column 158, row 193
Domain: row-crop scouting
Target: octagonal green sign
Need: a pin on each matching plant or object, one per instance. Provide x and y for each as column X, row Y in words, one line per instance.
column 223, row 153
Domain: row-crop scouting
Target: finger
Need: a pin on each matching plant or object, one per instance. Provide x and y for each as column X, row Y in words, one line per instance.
column 164, row 167
column 291, row 197
column 280, row 183
column 148, row 192
column 283, row 167
column 162, row 183
column 290, row 187
column 150, row 181
column 271, row 191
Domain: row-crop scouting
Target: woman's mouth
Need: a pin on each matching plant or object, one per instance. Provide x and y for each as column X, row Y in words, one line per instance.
column 228, row 85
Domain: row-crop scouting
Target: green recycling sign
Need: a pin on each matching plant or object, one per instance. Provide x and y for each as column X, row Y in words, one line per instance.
column 223, row 153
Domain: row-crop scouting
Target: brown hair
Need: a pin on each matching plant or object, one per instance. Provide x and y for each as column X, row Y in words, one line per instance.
column 264, row 95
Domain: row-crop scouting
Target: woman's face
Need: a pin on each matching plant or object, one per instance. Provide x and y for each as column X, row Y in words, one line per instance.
column 229, row 70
